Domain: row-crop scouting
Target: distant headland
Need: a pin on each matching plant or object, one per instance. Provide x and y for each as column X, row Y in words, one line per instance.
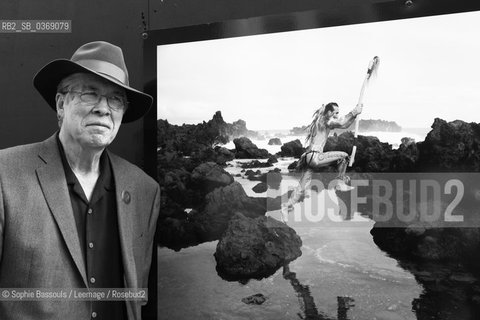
column 364, row 126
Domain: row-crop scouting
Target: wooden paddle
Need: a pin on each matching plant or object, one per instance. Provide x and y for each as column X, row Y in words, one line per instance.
column 371, row 73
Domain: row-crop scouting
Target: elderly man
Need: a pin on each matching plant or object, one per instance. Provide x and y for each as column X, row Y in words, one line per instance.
column 72, row 214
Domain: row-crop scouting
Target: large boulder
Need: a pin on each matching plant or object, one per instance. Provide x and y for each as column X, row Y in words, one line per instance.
column 179, row 228
column 274, row 178
column 424, row 238
column 223, row 155
column 445, row 262
column 209, row 176
column 405, row 157
column 292, row 149
column 246, row 149
column 175, row 184
column 189, row 160
column 221, row 205
column 450, row 146
column 255, row 248
column 422, row 243
column 177, row 233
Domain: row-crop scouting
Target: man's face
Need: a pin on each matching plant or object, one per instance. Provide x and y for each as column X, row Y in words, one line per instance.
column 90, row 125
column 334, row 114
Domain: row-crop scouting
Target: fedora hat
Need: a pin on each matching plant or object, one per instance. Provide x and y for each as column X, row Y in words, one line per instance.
column 102, row 59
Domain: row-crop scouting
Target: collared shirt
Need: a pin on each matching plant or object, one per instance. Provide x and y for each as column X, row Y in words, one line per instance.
column 97, row 227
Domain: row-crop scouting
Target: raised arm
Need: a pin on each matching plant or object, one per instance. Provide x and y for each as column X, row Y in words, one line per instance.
column 347, row 120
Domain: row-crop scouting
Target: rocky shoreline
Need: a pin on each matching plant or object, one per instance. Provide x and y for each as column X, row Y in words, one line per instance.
column 199, row 198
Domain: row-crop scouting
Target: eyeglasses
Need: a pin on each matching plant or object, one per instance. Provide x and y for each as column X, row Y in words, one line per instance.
column 115, row 103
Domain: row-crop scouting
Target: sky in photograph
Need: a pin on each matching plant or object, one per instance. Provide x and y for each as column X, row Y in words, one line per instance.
column 429, row 67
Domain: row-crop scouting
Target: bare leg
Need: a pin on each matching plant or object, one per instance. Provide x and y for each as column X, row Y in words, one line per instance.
column 342, row 168
column 327, row 158
column 297, row 193
column 317, row 160
column 314, row 160
column 343, row 179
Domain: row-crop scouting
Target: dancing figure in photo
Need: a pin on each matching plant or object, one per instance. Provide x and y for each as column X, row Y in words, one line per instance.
column 325, row 119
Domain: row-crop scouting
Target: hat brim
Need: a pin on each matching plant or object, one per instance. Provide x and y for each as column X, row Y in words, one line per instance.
column 48, row 78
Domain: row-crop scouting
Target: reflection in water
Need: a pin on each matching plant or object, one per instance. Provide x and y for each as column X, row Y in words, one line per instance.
column 450, row 291
column 339, row 260
column 344, row 303
column 451, row 288
column 307, row 302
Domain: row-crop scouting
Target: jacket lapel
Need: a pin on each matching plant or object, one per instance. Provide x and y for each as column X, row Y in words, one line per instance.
column 125, row 207
column 53, row 183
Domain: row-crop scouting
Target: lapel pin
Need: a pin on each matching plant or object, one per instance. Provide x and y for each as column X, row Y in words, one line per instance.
column 126, row 196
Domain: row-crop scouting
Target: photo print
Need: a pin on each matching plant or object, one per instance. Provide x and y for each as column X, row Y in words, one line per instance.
column 267, row 214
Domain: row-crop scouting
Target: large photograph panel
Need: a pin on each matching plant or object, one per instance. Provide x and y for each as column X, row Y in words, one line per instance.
column 245, row 235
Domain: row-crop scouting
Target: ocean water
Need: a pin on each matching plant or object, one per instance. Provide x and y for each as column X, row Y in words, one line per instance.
column 393, row 138
column 340, row 265
column 335, row 262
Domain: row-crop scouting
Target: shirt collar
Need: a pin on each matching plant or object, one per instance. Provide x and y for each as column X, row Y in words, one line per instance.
column 105, row 179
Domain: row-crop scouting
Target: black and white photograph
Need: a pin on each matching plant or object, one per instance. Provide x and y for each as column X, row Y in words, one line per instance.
column 279, row 156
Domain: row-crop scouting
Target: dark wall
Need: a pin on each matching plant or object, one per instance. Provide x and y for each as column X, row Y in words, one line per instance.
column 176, row 13
column 24, row 116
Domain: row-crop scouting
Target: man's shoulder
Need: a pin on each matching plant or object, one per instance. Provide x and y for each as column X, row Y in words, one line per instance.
column 20, row 152
column 133, row 172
